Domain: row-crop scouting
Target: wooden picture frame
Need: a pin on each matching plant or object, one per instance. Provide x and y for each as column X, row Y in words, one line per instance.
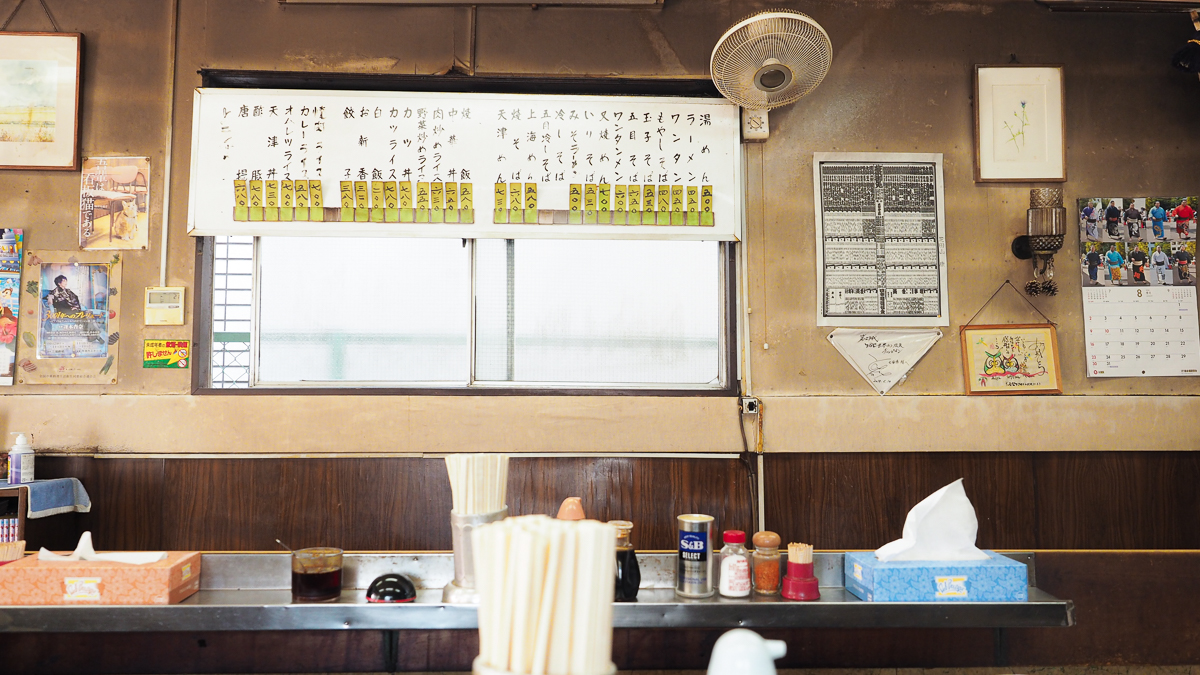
column 1020, row 124
column 1011, row 359
column 39, row 100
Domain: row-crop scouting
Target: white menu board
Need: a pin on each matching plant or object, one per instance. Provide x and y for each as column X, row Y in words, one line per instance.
column 291, row 162
column 1141, row 332
column 881, row 240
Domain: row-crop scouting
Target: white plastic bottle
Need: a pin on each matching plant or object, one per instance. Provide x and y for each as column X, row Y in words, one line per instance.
column 735, row 565
column 20, row 460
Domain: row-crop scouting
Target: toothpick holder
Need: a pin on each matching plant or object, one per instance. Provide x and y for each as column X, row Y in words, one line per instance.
column 462, row 589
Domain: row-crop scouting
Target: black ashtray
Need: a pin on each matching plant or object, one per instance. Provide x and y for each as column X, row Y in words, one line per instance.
column 392, row 588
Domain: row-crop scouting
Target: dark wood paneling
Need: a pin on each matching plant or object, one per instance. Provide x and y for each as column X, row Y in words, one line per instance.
column 859, row 500
column 1131, row 608
column 1114, row 500
column 396, row 503
column 217, row 652
column 649, row 492
column 127, row 503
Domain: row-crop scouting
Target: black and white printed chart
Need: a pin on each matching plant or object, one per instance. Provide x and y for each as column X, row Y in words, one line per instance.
column 1141, row 332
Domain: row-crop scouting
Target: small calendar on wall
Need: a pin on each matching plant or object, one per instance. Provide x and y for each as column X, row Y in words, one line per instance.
column 1138, row 270
column 1141, row 332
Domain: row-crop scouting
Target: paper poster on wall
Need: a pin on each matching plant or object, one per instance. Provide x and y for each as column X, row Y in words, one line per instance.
column 114, row 203
column 883, row 357
column 166, row 353
column 1137, row 267
column 10, row 298
column 881, row 240
column 68, row 327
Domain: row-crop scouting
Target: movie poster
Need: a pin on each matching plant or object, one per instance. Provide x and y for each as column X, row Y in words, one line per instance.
column 10, row 298
column 69, row 329
column 74, row 311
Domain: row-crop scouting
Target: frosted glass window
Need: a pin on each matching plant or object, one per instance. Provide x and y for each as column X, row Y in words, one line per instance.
column 599, row 312
column 363, row 310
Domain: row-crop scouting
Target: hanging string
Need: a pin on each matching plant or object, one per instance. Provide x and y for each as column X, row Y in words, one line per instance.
column 1019, row 295
column 44, row 9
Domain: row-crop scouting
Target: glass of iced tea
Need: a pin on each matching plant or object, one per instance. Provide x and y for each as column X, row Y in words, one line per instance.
column 316, row 574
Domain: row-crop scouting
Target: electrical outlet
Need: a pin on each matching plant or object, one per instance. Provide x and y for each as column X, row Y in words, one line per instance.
column 749, row 405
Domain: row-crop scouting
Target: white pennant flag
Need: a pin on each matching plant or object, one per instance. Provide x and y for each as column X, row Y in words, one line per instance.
column 883, row 357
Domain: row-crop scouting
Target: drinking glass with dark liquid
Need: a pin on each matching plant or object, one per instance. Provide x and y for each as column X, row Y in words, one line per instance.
column 316, row 574
column 629, row 574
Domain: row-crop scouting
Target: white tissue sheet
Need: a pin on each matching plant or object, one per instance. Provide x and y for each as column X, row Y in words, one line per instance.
column 941, row 527
column 84, row 551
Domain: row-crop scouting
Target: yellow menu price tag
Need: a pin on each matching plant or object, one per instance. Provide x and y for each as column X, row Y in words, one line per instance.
column 693, row 198
column 575, row 200
column 514, row 196
column 256, row 193
column 240, row 197
column 404, row 189
column 347, row 194
column 360, row 194
column 602, row 197
column 451, row 196
column 301, row 194
column 589, row 197
column 389, row 195
column 465, row 202
column 377, row 194
column 314, row 194
column 285, row 194
column 647, row 197
column 618, row 198
column 501, row 195
column 635, row 198
column 435, row 195
column 422, row 196
column 272, row 194
column 531, row 195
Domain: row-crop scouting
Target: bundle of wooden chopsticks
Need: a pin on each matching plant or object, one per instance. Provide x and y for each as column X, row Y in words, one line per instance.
column 545, row 595
column 478, row 482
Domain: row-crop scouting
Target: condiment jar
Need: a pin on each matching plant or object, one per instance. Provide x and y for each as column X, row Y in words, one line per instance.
column 629, row 574
column 766, row 563
column 735, row 565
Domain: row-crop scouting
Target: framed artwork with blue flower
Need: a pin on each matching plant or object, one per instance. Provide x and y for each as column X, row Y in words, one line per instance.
column 1020, row 128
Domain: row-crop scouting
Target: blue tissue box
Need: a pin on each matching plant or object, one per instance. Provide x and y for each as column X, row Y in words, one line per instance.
column 997, row 579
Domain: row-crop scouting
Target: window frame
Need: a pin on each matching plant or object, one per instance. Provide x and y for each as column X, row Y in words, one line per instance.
column 205, row 246
column 202, row 351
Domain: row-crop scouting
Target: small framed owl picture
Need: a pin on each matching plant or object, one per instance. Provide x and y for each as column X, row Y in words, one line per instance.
column 1011, row 359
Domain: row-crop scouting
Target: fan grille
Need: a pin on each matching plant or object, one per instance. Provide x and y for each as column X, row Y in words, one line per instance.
column 793, row 39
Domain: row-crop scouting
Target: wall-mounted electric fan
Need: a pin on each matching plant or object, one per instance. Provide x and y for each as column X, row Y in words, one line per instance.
column 768, row 60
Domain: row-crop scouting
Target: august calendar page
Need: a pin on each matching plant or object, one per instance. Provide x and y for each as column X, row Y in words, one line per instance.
column 1138, row 271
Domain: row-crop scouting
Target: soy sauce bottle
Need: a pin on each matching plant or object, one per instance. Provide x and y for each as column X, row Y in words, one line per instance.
column 629, row 575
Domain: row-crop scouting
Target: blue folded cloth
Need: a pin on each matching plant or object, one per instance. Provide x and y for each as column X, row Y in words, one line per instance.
column 54, row 496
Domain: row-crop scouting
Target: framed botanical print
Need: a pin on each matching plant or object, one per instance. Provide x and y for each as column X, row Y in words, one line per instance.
column 1020, row 128
column 39, row 100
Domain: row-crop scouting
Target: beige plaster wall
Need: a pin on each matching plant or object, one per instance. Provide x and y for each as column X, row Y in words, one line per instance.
column 901, row 81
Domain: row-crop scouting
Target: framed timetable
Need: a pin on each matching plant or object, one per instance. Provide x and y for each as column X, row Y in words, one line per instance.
column 1141, row 332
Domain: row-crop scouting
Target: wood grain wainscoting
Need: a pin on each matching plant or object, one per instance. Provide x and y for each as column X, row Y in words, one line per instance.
column 370, row 504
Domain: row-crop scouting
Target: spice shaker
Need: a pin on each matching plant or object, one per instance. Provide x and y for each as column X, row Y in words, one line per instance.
column 765, row 562
column 694, row 577
column 735, row 565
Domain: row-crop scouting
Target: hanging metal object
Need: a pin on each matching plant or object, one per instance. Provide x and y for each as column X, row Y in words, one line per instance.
column 1046, row 227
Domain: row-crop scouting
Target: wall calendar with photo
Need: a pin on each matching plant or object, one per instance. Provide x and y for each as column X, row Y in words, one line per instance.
column 1138, row 271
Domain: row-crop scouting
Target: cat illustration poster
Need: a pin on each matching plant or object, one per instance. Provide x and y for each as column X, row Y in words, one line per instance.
column 114, row 203
column 1011, row 359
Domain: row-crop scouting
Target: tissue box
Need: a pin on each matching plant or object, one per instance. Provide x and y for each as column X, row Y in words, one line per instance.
column 30, row 581
column 997, row 579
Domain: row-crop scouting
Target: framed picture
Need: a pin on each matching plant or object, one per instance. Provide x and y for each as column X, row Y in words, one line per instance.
column 1020, row 128
column 1011, row 359
column 70, row 321
column 39, row 100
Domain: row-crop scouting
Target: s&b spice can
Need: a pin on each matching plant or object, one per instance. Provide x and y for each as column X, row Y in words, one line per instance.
column 694, row 576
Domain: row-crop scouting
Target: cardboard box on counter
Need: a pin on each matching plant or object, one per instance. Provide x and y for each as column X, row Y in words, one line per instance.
column 997, row 579
column 30, row 581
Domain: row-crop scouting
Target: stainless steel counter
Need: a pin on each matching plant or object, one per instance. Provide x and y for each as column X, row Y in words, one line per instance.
column 250, row 591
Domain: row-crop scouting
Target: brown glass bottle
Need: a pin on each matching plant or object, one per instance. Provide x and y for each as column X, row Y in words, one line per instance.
column 629, row 575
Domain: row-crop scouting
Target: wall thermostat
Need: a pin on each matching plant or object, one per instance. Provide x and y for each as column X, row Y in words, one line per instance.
column 164, row 306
